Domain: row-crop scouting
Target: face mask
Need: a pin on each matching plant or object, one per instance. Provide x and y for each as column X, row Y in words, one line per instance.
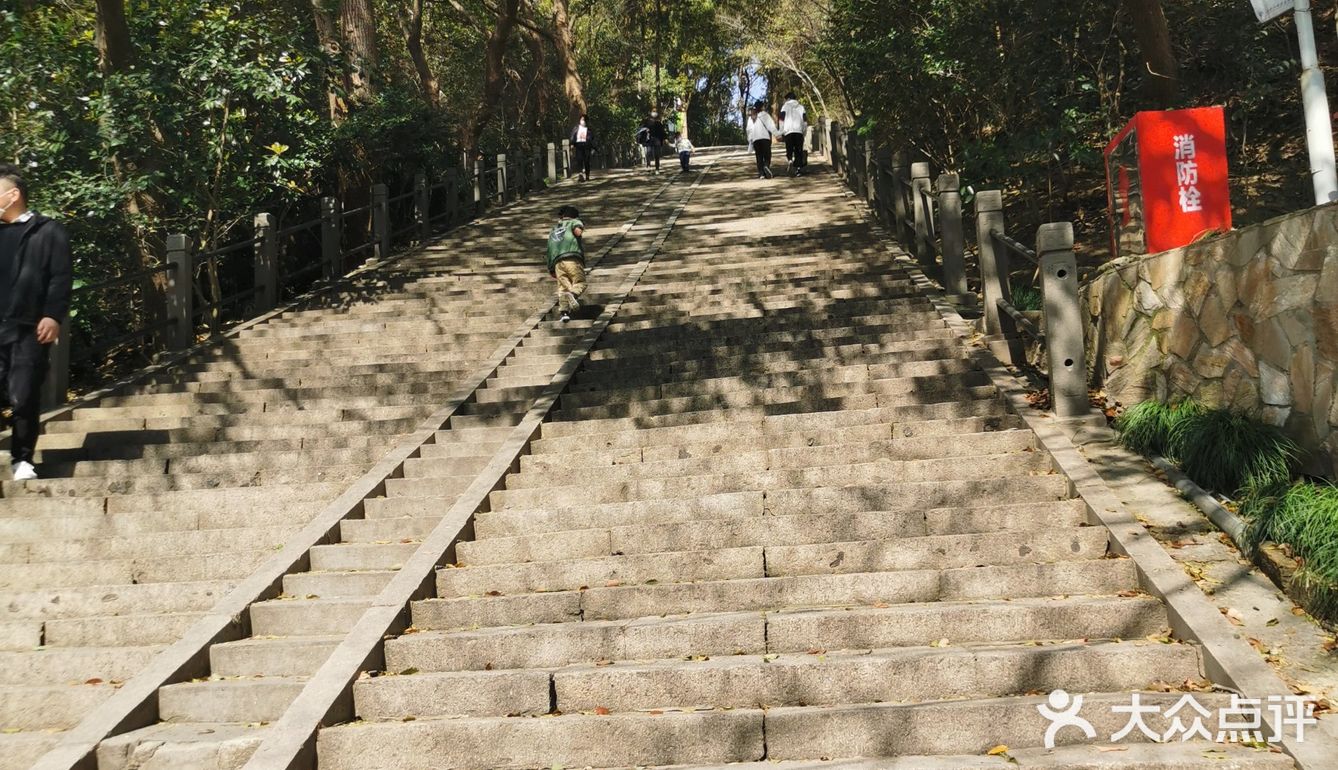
column 655, row 114
column 583, row 121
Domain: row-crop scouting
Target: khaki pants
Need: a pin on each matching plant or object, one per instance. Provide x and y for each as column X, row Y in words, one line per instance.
column 571, row 282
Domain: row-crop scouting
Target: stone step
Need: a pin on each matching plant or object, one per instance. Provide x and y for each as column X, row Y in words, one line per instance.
column 704, row 737
column 20, row 635
column 228, row 700
column 23, row 749
column 73, row 665
column 154, row 546
column 171, row 746
column 702, row 407
column 264, row 657
column 654, row 387
column 783, row 467
column 713, row 564
column 387, row 530
column 745, row 530
column 813, row 678
column 98, row 601
column 336, row 585
column 440, row 488
column 520, row 522
column 48, row 708
column 700, row 633
column 442, row 467
column 116, row 630
column 993, row 470
column 361, row 556
column 717, row 420
column 773, row 340
column 858, row 444
column 1094, row 756
column 177, row 482
column 628, row 601
column 306, row 617
column 767, row 433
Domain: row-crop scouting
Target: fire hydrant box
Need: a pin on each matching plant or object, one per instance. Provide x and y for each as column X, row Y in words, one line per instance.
column 1166, row 180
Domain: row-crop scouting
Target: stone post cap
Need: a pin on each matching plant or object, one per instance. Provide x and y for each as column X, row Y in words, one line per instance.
column 1054, row 236
column 949, row 182
column 178, row 242
column 920, row 170
column 264, row 220
column 989, row 201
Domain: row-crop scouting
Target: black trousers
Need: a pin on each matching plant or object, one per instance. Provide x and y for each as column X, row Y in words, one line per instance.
column 582, row 158
column 762, row 149
column 22, row 372
column 794, row 149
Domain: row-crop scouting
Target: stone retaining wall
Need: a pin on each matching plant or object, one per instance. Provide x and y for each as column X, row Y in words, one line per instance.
column 1248, row 319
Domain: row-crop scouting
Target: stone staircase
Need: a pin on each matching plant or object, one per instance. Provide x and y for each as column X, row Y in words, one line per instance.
column 158, row 500
column 777, row 519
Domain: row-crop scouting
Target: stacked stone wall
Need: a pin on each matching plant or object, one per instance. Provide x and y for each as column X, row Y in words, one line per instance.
column 1248, row 319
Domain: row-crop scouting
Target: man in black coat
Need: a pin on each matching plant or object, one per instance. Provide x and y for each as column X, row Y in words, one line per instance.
column 35, row 283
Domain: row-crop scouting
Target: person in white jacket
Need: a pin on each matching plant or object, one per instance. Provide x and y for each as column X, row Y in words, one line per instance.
column 794, row 128
column 761, row 129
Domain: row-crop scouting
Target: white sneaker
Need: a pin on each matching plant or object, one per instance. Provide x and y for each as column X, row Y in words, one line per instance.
column 24, row 471
column 572, row 303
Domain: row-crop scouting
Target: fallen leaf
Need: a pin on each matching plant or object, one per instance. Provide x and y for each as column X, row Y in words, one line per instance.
column 613, row 584
column 997, row 751
column 1234, row 615
column 94, row 680
column 1272, row 622
column 1112, row 748
column 601, row 711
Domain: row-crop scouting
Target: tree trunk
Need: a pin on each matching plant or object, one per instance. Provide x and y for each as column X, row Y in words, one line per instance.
column 358, row 24
column 534, row 85
column 327, row 33
column 1154, row 42
column 116, row 55
column 413, row 33
column 115, row 51
column 566, row 51
column 494, row 74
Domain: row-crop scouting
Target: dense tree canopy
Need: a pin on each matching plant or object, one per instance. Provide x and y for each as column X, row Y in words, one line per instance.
column 136, row 118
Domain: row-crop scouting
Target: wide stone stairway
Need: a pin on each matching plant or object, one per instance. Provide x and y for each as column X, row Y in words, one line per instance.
column 778, row 517
column 157, row 501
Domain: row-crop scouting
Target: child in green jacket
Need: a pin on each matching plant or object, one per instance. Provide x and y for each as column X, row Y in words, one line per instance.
column 566, row 260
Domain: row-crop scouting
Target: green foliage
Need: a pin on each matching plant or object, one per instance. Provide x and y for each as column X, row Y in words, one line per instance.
column 1225, row 450
column 1025, row 297
column 1303, row 516
column 1153, row 428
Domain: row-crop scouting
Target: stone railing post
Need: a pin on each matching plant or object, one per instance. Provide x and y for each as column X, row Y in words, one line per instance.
column 452, row 197
column 900, row 208
column 870, row 190
column 993, row 260
column 501, row 178
column 1063, row 320
column 180, row 293
column 478, row 185
column 332, row 236
column 920, row 190
column 950, row 230
column 552, row 161
column 56, row 387
column 422, row 205
column 266, row 263
column 566, row 157
column 381, row 221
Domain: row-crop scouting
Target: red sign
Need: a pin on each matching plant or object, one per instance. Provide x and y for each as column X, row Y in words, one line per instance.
column 1166, row 179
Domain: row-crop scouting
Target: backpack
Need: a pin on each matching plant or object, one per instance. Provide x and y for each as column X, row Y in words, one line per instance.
column 643, row 135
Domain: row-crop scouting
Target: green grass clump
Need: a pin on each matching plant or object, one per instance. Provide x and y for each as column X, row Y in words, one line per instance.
column 1025, row 297
column 1225, row 450
column 1150, row 428
column 1303, row 516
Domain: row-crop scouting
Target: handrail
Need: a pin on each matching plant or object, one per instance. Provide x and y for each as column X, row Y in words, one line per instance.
column 224, row 251
column 1016, row 247
column 297, row 228
column 126, row 278
column 143, row 331
column 1023, row 323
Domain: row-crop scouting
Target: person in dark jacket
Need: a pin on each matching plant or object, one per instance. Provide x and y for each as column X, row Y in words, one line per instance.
column 655, row 134
column 582, row 143
column 35, row 284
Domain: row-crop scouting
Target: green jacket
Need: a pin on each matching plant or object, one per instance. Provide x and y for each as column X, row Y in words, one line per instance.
column 563, row 243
